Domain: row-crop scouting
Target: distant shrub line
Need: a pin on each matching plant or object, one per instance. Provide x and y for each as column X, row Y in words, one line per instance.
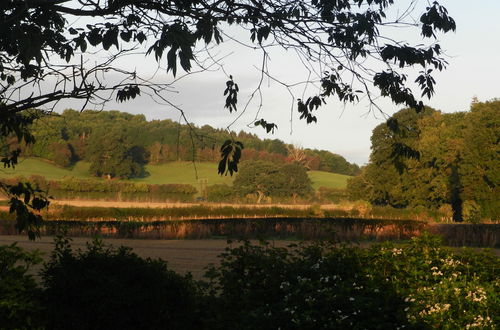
column 73, row 188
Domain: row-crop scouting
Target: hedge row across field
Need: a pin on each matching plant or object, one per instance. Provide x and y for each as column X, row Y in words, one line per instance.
column 335, row 229
column 73, row 188
column 203, row 211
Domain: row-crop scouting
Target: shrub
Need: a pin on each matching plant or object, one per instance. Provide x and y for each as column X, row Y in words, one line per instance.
column 20, row 306
column 332, row 195
column 363, row 207
column 417, row 286
column 471, row 212
column 446, row 212
column 220, row 193
column 315, row 211
column 39, row 181
column 262, row 287
column 106, row 288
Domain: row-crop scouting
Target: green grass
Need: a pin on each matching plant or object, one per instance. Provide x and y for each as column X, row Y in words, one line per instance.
column 184, row 172
column 327, row 179
column 36, row 166
column 175, row 172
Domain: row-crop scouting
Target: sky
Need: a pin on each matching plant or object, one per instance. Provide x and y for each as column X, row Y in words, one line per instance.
column 473, row 53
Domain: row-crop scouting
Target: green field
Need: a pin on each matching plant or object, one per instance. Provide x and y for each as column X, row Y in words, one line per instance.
column 184, row 172
column 175, row 172
column 327, row 179
column 36, row 166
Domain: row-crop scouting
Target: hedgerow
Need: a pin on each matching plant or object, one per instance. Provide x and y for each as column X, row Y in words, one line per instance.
column 73, row 188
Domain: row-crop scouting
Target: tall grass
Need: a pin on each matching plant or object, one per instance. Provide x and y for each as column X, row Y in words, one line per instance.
column 199, row 211
column 280, row 228
column 335, row 229
column 219, row 211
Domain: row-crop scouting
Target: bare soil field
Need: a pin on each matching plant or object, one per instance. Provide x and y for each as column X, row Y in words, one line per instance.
column 182, row 255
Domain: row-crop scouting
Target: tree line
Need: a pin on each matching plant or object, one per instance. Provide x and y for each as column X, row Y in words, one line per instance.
column 119, row 144
column 436, row 160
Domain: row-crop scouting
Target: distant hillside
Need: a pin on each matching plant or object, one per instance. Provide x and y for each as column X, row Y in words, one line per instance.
column 173, row 172
column 121, row 145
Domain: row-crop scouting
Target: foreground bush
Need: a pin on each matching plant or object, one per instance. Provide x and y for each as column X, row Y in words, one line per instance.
column 105, row 288
column 20, row 306
column 419, row 286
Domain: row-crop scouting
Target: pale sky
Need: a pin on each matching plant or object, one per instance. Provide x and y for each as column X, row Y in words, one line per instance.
column 473, row 54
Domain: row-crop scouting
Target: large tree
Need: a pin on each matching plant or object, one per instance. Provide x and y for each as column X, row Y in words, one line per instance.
column 117, row 157
column 480, row 174
column 393, row 159
column 452, row 160
column 265, row 179
column 258, row 178
column 51, row 50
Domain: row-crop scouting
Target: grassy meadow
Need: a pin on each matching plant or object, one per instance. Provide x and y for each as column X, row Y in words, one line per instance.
column 174, row 172
column 326, row 179
column 37, row 166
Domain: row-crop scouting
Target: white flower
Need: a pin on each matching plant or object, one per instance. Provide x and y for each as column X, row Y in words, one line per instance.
column 477, row 296
column 437, row 308
column 396, row 251
column 480, row 322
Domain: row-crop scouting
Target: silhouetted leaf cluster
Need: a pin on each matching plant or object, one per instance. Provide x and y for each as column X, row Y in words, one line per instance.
column 269, row 127
column 230, row 156
column 128, row 92
column 392, row 84
column 306, row 109
column 231, row 93
column 436, row 18
column 261, row 33
column 24, row 198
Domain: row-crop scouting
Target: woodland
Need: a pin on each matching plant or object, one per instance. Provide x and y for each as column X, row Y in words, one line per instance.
column 435, row 160
column 131, row 142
